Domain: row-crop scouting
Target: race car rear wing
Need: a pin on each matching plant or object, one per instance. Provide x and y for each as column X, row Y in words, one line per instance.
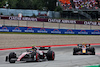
column 44, row 48
column 80, row 45
column 39, row 48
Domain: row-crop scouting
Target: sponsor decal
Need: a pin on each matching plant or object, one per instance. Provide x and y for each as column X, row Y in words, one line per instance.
column 54, row 20
column 17, row 29
column 4, row 29
column 22, row 18
column 56, row 31
column 29, row 30
column 95, row 32
column 51, row 20
column 42, row 30
column 14, row 18
column 90, row 23
column 29, row 19
column 69, row 31
column 69, row 21
column 82, row 32
column 62, row 21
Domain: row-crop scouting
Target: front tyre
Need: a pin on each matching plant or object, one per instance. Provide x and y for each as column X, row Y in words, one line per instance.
column 50, row 55
column 74, row 53
column 92, row 49
column 93, row 53
column 75, row 50
column 12, row 55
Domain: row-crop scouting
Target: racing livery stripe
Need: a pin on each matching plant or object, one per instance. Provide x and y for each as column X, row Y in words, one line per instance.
column 22, row 55
column 47, row 46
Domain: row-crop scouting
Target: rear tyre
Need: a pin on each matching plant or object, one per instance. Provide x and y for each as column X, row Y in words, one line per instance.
column 50, row 55
column 12, row 55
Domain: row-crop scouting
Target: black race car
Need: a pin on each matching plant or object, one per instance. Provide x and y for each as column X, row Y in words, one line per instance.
column 85, row 49
column 30, row 55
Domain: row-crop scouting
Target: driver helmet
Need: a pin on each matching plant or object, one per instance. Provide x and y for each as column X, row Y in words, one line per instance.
column 33, row 47
column 84, row 44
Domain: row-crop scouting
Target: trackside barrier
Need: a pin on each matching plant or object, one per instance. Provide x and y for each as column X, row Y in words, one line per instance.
column 48, row 30
column 95, row 23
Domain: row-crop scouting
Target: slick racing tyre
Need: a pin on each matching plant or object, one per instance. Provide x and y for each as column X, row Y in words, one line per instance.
column 74, row 53
column 93, row 53
column 12, row 55
column 93, row 50
column 75, row 50
column 50, row 55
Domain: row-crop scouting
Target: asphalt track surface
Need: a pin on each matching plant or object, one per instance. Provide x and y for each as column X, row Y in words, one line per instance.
column 64, row 58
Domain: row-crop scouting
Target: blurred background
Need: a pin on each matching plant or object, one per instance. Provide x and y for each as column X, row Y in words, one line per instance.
column 77, row 10
column 66, row 9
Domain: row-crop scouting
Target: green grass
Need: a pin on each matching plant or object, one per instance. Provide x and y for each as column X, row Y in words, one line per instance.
column 93, row 66
column 41, row 33
column 32, row 33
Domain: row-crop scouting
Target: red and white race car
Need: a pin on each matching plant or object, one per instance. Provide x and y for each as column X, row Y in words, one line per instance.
column 32, row 55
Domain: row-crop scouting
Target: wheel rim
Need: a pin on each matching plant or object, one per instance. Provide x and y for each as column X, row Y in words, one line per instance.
column 53, row 55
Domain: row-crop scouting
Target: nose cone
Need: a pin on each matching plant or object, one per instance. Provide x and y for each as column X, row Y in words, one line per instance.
column 83, row 51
